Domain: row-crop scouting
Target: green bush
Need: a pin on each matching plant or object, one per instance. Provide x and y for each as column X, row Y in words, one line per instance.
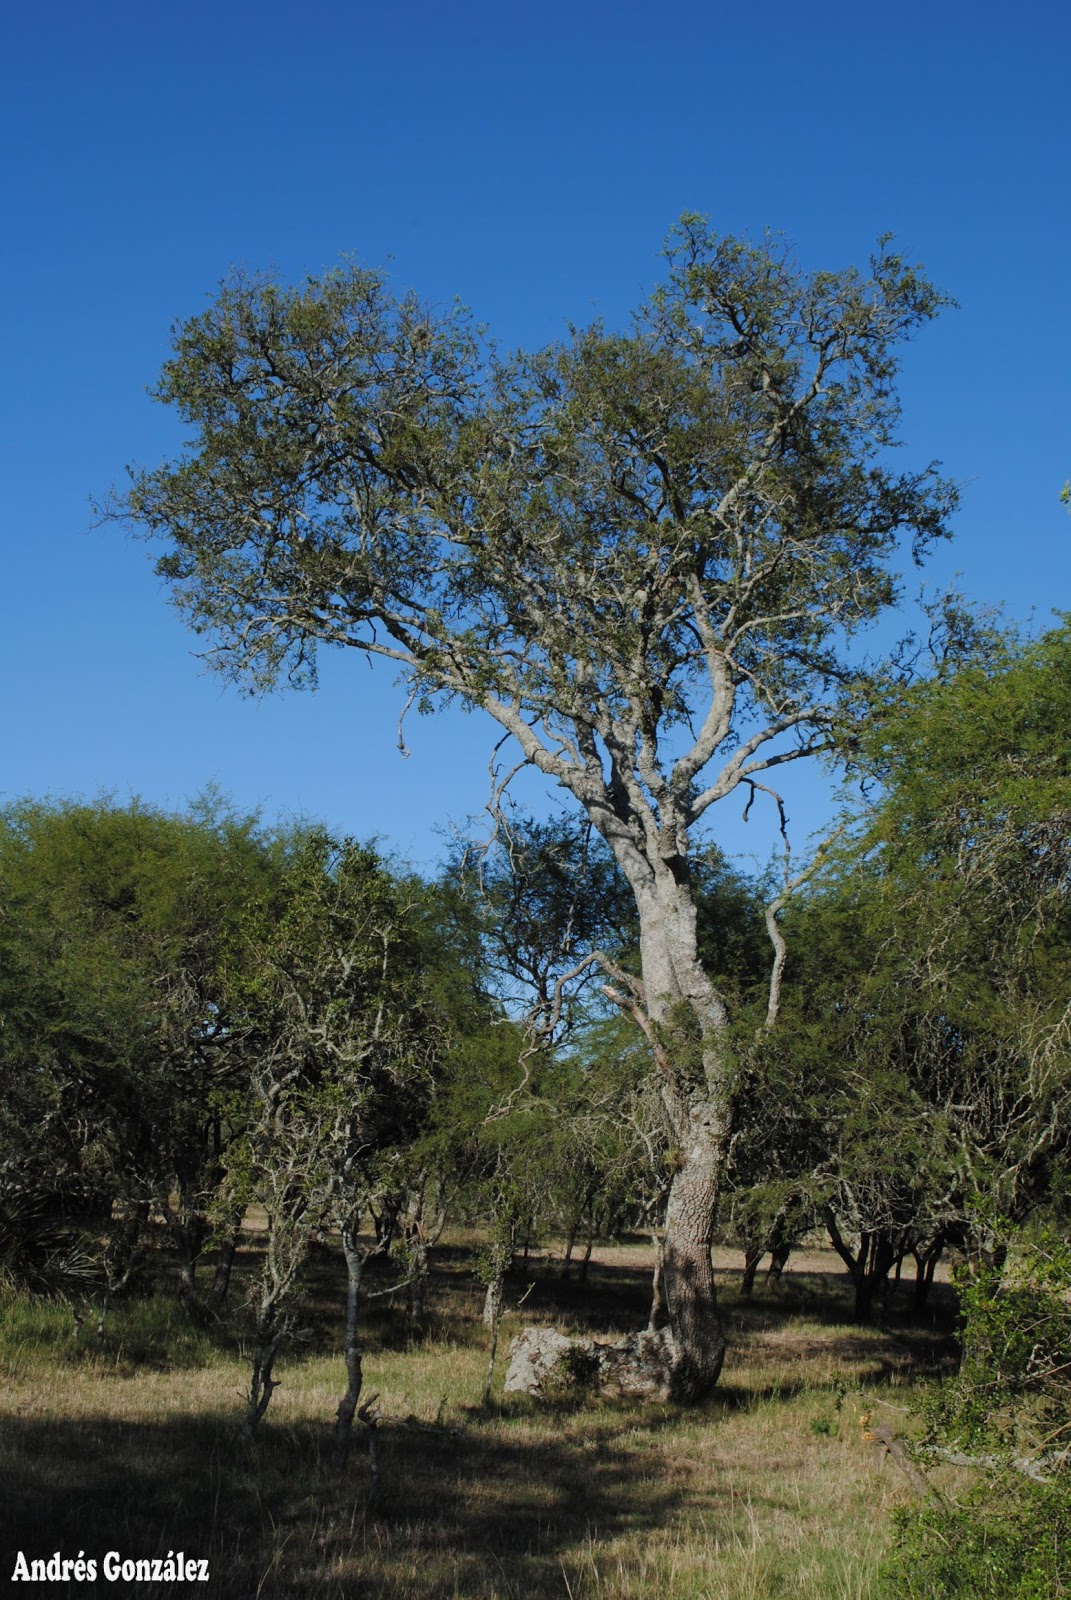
column 1009, row 1540
column 1009, row 1407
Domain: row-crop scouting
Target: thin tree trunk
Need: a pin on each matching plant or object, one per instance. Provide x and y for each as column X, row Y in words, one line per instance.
column 778, row 1260
column 925, row 1267
column 122, row 1256
column 501, row 1253
column 753, row 1254
column 351, row 1349
column 261, row 1385
column 569, row 1247
column 221, row 1277
column 417, row 1289
column 187, row 1228
column 869, row 1267
column 585, row 1261
column 654, row 1321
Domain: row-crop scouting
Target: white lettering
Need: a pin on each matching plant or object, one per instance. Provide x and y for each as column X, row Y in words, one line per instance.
column 175, row 1567
column 22, row 1569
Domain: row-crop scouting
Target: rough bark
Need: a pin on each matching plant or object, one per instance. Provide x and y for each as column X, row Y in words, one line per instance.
column 696, row 1326
column 689, row 1026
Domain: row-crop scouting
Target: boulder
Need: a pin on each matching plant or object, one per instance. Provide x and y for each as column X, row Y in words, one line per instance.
column 538, row 1359
column 543, row 1361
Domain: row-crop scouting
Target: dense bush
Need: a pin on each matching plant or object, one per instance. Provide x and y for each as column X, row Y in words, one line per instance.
column 1008, row 1416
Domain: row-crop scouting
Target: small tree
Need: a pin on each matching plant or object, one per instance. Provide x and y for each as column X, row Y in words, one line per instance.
column 341, row 1045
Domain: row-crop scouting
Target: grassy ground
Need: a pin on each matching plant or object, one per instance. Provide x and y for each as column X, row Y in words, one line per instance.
column 131, row 1443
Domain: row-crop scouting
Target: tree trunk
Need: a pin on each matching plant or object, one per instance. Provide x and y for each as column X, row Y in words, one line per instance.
column 351, row 1349
column 868, row 1267
column 925, row 1267
column 500, row 1256
column 122, row 1251
column 221, row 1277
column 417, row 1291
column 585, row 1260
column 753, row 1254
column 187, row 1227
column 570, row 1246
column 261, row 1383
column 778, row 1259
column 696, row 1327
column 689, row 1034
column 656, row 1318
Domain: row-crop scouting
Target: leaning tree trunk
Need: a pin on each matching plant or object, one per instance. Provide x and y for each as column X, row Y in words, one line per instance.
column 778, row 1261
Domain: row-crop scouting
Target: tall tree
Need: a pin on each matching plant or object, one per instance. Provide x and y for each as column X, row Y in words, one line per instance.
column 643, row 554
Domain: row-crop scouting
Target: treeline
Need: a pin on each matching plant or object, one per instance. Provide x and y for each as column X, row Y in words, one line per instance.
column 917, row 1081
column 202, row 1015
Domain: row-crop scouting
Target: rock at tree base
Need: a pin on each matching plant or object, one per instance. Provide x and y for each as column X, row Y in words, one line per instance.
column 543, row 1361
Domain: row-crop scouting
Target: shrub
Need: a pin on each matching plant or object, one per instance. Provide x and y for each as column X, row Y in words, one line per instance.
column 1007, row 1413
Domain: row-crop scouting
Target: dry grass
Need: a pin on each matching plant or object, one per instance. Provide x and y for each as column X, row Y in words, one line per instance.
column 768, row 1490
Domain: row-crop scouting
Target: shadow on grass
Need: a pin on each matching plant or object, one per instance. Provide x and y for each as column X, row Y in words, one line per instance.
column 491, row 1508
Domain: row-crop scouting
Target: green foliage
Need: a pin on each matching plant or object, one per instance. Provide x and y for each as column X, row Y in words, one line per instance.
column 1014, row 1383
column 440, row 505
column 117, row 925
column 645, row 555
column 1009, row 1410
column 928, row 973
column 1008, row 1540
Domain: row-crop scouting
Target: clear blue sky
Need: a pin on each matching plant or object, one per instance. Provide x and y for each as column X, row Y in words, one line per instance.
column 530, row 161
